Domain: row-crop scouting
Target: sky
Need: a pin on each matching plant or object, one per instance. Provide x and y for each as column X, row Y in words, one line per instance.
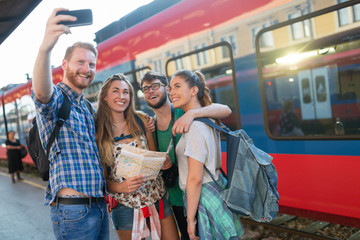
column 19, row 50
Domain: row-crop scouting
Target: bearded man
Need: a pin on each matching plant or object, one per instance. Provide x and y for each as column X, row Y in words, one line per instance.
column 76, row 186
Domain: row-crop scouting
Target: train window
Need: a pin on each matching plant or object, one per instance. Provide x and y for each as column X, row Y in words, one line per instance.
column 219, row 75
column 18, row 115
column 305, row 85
column 310, row 86
column 320, row 88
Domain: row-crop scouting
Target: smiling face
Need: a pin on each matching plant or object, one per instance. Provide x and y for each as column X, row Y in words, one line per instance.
column 155, row 98
column 79, row 69
column 118, row 96
column 181, row 95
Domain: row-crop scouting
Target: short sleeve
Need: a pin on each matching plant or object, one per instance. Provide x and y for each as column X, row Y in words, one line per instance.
column 196, row 144
column 47, row 110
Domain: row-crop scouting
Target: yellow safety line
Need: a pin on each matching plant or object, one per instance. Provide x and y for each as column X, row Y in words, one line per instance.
column 26, row 181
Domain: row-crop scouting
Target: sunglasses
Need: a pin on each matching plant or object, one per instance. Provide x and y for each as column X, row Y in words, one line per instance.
column 154, row 86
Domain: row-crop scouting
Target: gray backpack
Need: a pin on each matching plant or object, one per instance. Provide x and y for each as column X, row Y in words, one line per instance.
column 252, row 178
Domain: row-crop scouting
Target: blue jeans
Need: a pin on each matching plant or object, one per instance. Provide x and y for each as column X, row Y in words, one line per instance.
column 80, row 221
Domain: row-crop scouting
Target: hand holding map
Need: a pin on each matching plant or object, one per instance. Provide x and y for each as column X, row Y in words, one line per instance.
column 136, row 161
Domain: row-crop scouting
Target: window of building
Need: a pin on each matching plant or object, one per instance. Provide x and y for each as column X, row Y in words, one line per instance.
column 356, row 12
column 231, row 38
column 202, row 57
column 158, row 66
column 348, row 15
column 179, row 64
column 266, row 39
column 299, row 30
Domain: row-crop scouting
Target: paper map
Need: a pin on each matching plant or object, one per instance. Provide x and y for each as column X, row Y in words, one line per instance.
column 135, row 161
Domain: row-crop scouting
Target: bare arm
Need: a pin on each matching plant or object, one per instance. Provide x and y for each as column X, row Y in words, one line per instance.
column 215, row 111
column 193, row 190
column 42, row 76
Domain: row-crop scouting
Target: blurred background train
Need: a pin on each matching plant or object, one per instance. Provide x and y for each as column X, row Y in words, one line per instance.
column 262, row 58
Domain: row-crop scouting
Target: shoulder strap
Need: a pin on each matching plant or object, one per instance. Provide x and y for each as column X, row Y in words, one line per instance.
column 173, row 137
column 140, row 122
column 223, row 129
column 207, row 121
column 63, row 115
column 88, row 105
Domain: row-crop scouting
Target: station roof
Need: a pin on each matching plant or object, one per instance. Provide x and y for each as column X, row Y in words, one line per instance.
column 12, row 13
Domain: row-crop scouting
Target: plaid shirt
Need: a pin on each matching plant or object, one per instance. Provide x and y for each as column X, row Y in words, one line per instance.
column 74, row 157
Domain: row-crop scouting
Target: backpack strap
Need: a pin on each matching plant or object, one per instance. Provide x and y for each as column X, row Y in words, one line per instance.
column 63, row 114
column 173, row 137
column 207, row 121
column 223, row 129
column 140, row 122
column 88, row 105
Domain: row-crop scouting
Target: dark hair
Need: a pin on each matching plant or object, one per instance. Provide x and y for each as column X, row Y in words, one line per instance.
column 11, row 131
column 196, row 79
column 151, row 76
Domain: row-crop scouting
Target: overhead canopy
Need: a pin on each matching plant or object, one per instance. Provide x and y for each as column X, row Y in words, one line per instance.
column 12, row 13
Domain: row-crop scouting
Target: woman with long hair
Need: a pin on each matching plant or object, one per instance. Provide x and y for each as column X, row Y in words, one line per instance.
column 207, row 215
column 134, row 198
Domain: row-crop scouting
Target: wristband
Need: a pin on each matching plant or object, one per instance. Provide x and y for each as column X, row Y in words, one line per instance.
column 191, row 223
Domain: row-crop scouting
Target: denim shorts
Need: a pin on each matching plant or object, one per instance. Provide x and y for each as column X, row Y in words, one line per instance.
column 122, row 216
column 80, row 221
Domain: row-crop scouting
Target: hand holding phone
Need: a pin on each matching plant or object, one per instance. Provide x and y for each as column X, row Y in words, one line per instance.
column 83, row 17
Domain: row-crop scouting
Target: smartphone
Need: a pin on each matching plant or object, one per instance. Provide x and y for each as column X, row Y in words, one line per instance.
column 83, row 16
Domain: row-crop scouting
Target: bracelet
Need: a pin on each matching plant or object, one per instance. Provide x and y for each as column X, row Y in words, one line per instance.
column 191, row 223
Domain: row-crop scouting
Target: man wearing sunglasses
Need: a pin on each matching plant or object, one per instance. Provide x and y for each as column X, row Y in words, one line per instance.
column 170, row 123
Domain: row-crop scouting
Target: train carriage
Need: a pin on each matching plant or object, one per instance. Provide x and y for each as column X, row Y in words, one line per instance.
column 261, row 58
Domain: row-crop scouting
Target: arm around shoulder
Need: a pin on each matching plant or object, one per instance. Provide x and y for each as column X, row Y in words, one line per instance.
column 215, row 111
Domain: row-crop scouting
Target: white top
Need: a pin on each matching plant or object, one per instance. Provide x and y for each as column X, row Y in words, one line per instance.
column 201, row 143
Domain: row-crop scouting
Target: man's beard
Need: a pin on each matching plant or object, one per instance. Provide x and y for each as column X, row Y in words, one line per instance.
column 71, row 77
column 160, row 102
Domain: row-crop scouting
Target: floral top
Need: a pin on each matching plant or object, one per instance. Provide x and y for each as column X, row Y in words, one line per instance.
column 150, row 192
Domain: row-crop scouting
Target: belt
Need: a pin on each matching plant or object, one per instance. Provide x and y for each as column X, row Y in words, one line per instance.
column 76, row 200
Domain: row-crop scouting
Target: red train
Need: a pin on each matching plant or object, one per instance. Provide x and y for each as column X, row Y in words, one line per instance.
column 256, row 56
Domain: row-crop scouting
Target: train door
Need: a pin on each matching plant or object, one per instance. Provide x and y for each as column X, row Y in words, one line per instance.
column 306, row 95
column 314, row 94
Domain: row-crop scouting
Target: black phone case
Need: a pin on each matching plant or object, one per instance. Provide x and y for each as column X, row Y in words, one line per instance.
column 84, row 17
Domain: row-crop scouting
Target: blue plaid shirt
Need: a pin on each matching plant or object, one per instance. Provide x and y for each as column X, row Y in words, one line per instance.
column 74, row 156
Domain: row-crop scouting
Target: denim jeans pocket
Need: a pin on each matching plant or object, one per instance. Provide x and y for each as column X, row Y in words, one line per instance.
column 75, row 213
column 71, row 220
